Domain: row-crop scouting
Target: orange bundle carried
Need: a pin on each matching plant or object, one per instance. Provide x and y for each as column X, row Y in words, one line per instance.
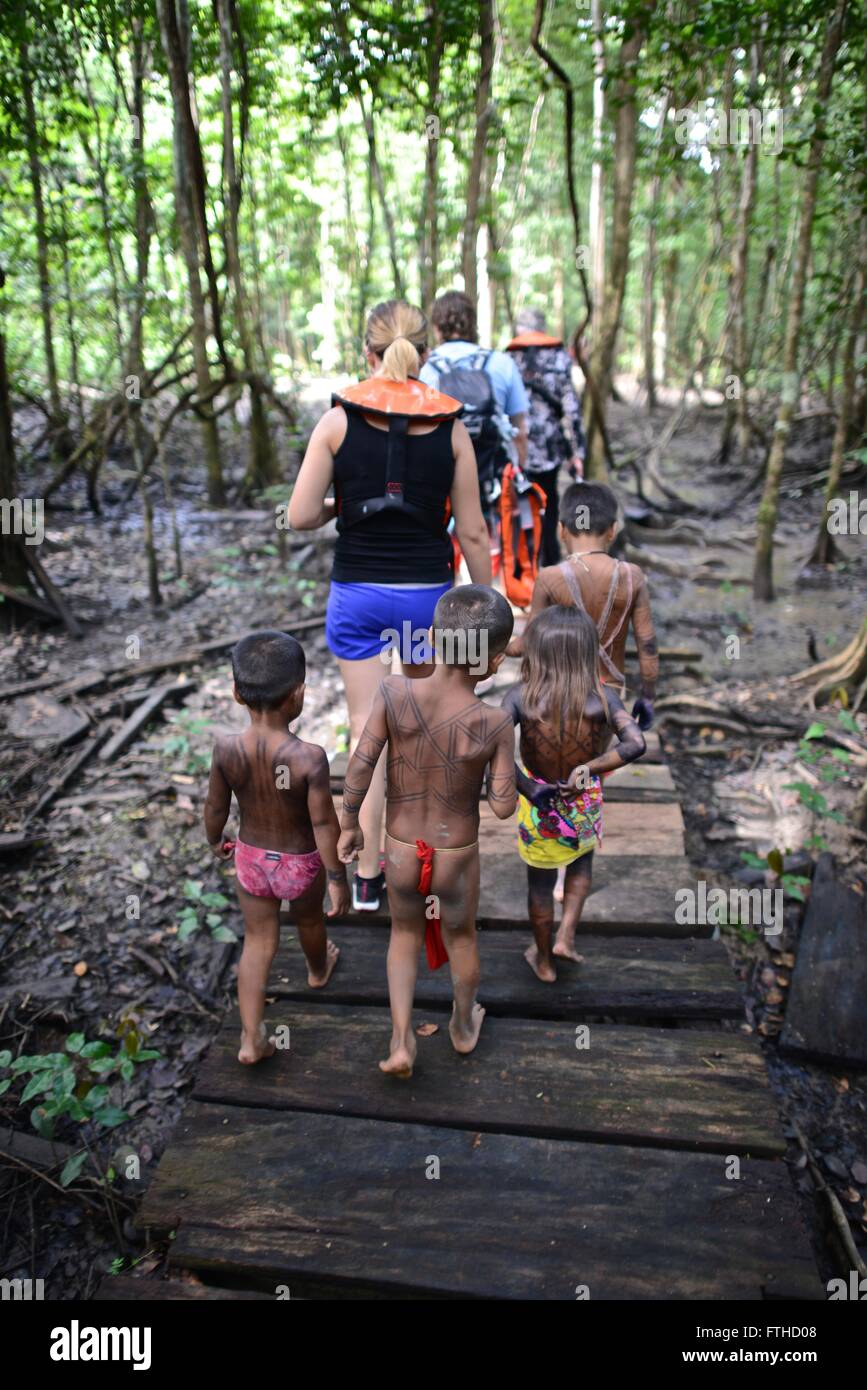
column 522, row 506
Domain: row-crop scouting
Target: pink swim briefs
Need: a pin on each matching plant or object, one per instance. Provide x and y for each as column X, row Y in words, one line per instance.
column 265, row 873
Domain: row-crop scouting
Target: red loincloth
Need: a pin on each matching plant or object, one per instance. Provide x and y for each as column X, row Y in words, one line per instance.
column 433, row 936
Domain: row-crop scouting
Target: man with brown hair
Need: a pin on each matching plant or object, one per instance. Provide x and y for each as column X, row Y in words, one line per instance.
column 487, row 382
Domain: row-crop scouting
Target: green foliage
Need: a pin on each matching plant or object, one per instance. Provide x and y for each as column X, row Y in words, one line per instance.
column 187, row 744
column 78, row 1083
column 203, row 909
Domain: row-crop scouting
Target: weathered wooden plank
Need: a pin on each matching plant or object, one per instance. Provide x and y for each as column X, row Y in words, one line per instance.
column 826, row 1012
column 125, row 1288
column 630, row 896
column 624, row 978
column 333, row 1205
column 651, row 782
column 682, row 1089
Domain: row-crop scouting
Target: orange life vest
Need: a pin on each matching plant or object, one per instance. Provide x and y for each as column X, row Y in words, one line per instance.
column 398, row 402
column 522, row 506
column 531, row 338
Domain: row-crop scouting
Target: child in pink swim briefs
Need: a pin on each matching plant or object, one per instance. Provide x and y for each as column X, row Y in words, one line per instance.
column 287, row 842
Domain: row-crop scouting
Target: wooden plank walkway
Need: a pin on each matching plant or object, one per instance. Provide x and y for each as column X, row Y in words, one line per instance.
column 591, row 1141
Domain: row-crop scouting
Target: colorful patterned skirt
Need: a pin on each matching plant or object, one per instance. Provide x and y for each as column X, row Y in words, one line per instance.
column 549, row 839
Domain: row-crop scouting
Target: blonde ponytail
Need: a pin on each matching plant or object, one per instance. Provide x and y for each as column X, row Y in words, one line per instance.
column 400, row 360
column 397, row 333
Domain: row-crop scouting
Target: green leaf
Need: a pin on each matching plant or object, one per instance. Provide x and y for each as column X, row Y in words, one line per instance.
column 4, row 1085
column 816, row 730
column 849, row 722
column 96, row 1096
column 753, row 860
column 223, row 934
column 213, row 919
column 186, row 929
column 192, row 889
column 96, row 1049
column 111, row 1116
column 42, row 1123
column 215, row 900
column 147, row 1054
column 37, row 1085
column 5, row 1058
column 775, row 861
column 75, row 1042
column 127, row 1069
column 72, row 1167
column 101, row 1065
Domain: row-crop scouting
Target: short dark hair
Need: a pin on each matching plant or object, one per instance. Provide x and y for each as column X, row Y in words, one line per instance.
column 472, row 608
column 588, row 507
column 454, row 316
column 266, row 666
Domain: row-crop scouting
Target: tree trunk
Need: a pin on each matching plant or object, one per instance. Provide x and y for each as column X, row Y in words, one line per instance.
column 13, row 568
column 597, row 172
column 262, row 469
column 179, row 78
column 738, row 354
column 429, row 268
column 474, row 177
column 625, row 144
column 763, row 580
column 45, row 294
column 379, row 180
column 824, row 551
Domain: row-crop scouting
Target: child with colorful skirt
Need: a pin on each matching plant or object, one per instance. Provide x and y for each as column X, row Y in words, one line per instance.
column 566, row 719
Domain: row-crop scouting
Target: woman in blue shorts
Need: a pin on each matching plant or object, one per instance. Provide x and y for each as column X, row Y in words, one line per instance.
column 398, row 460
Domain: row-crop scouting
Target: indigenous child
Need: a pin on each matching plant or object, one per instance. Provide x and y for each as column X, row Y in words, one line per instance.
column 442, row 742
column 613, row 592
column 287, row 841
column 566, row 717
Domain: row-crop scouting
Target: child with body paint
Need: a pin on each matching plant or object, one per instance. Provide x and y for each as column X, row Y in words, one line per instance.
column 443, row 743
column 567, row 718
column 613, row 592
column 287, row 841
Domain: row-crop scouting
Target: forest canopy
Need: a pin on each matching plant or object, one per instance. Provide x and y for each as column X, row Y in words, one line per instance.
column 207, row 198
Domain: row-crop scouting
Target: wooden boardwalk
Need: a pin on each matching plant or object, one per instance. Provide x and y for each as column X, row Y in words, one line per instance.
column 607, row 1168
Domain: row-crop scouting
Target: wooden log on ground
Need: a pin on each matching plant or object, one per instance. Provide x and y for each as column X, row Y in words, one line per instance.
column 50, row 987
column 52, row 593
column 826, row 1010
column 14, row 841
column 29, row 601
column 133, row 726
column 55, row 787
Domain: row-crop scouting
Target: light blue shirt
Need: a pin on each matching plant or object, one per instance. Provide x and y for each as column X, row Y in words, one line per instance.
column 508, row 388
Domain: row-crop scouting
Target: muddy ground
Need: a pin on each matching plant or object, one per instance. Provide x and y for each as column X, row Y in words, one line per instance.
column 103, row 928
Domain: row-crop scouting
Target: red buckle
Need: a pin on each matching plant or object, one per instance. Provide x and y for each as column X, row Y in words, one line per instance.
column 393, row 487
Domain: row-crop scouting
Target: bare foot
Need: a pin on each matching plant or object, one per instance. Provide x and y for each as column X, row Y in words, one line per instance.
column 545, row 972
column 400, row 1060
column 255, row 1049
column 319, row 981
column 465, row 1040
column 567, row 952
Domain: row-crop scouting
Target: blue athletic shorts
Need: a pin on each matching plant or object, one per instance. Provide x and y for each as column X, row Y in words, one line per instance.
column 363, row 619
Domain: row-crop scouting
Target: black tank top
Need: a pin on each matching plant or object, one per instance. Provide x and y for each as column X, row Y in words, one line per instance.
column 392, row 547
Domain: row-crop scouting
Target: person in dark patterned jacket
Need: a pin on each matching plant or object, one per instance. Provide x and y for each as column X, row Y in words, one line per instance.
column 556, row 431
